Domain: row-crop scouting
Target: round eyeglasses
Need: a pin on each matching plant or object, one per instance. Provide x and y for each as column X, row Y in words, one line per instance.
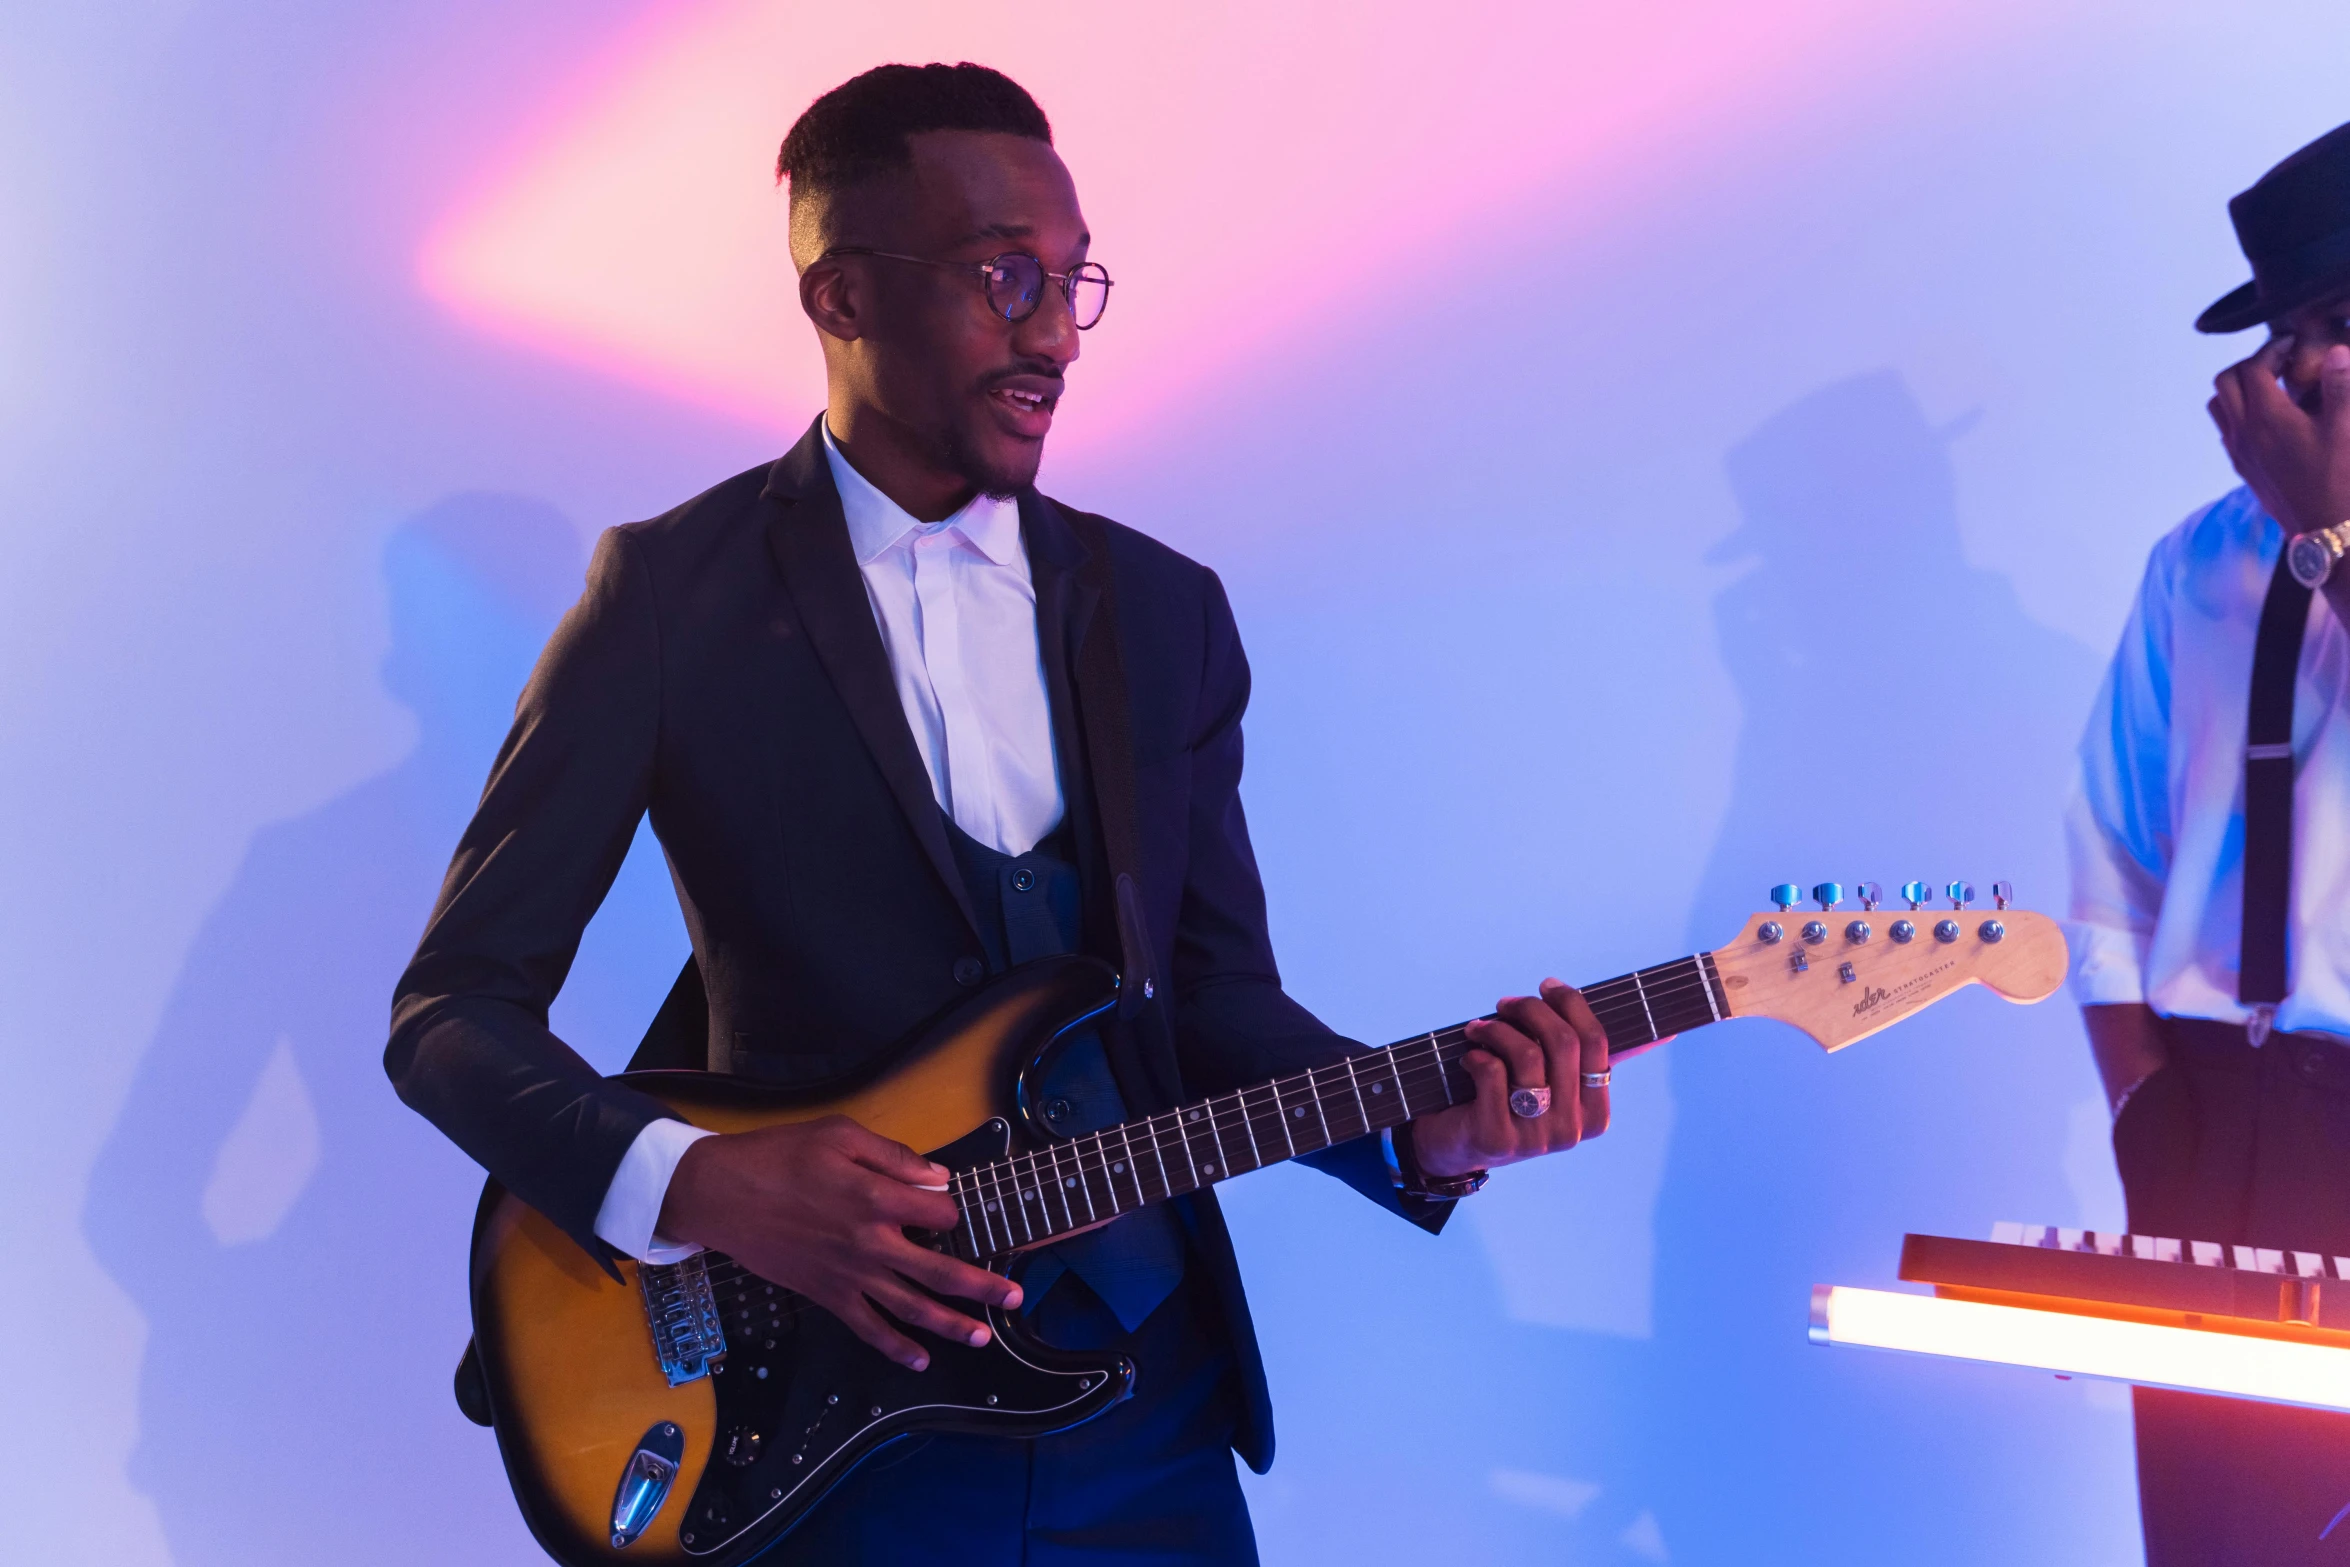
column 1014, row 282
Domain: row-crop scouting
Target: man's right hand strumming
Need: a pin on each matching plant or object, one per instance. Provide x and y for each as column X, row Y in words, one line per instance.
column 822, row 1208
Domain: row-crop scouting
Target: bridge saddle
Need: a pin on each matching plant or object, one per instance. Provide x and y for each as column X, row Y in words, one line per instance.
column 683, row 1315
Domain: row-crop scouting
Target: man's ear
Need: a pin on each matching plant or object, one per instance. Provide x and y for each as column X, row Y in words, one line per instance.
column 832, row 300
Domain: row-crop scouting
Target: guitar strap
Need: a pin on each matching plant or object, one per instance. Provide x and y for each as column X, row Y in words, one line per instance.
column 2268, row 799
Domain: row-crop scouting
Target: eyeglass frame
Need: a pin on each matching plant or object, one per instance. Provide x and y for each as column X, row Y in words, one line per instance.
column 1067, row 279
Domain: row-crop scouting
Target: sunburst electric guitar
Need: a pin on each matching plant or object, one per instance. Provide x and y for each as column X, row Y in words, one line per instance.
column 696, row 1412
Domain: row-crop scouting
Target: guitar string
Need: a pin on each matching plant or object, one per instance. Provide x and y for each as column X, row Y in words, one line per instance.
column 1433, row 1055
column 1222, row 1113
column 1232, row 1112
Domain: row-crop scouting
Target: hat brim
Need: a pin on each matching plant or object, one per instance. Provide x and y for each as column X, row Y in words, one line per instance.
column 2235, row 311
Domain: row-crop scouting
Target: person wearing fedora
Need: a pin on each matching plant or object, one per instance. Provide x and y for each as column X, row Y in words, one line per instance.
column 2210, row 844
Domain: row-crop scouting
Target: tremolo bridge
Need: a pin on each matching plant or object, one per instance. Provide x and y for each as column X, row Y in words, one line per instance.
column 682, row 1311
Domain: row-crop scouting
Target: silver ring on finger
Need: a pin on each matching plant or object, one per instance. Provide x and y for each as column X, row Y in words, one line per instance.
column 1530, row 1104
column 1598, row 1079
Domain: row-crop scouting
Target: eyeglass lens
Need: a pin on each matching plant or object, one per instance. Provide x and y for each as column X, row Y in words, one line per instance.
column 1016, row 285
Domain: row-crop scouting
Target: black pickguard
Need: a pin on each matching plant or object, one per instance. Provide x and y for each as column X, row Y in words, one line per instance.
column 802, row 1400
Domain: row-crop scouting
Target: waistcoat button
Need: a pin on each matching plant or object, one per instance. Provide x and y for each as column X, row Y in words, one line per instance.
column 1023, row 879
column 969, row 971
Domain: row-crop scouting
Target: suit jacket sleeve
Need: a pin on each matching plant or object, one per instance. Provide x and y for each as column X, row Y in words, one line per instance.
column 1234, row 1024
column 470, row 1049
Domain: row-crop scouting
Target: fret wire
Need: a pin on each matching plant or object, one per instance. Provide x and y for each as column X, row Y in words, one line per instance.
column 1013, row 1170
column 1395, row 1070
column 1048, row 1185
column 1101, row 1146
column 1133, row 1171
column 1217, row 1138
column 971, row 1223
column 1356, row 1083
column 995, row 1193
column 1713, row 985
column 1248, row 1124
column 1033, row 1193
column 1159, row 1152
column 1281, row 1119
column 1061, row 1184
column 1041, row 1188
column 1182, row 1130
column 1084, row 1186
column 1314, row 1093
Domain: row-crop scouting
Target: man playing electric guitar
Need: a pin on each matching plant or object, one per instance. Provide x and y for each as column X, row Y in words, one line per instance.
column 902, row 723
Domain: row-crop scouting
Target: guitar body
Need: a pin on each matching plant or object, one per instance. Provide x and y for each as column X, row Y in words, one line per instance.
column 694, row 1413
column 600, row 1444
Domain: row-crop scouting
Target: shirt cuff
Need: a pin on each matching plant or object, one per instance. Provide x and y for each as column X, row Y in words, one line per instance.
column 2107, row 967
column 632, row 1203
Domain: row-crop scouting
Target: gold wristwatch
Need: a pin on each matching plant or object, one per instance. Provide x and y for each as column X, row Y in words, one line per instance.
column 2311, row 557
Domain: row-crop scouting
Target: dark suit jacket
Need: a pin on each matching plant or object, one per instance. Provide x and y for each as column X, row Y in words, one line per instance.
column 723, row 671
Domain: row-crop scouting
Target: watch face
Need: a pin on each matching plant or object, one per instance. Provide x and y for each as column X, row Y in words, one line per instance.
column 2310, row 560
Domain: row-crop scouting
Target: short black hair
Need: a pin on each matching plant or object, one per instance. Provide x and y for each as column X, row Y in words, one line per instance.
column 858, row 131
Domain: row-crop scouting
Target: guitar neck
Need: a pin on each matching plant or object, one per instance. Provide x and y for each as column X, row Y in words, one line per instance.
column 1032, row 1197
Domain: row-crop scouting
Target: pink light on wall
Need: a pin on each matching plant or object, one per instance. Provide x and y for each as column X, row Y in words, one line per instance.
column 1249, row 171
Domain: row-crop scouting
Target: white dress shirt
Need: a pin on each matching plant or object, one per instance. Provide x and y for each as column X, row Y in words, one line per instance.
column 2157, row 831
column 957, row 612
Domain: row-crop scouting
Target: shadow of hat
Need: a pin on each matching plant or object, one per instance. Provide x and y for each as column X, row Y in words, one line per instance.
column 2294, row 227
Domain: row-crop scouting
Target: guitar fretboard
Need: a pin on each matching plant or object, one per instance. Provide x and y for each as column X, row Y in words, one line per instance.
column 1032, row 1197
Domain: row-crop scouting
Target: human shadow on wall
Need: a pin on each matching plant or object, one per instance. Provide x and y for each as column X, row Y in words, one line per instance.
column 1902, row 716
column 294, row 1236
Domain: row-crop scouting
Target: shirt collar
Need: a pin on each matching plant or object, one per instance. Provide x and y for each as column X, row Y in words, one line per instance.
column 876, row 523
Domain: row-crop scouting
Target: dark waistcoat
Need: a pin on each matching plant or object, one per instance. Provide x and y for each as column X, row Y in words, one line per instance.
column 1031, row 906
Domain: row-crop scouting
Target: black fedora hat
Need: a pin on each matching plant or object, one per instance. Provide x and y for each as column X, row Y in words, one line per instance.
column 2294, row 225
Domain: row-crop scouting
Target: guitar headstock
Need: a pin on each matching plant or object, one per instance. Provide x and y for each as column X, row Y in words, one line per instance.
column 1842, row 976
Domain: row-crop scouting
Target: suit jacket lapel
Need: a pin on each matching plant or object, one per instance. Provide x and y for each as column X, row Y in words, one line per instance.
column 810, row 542
column 1064, row 608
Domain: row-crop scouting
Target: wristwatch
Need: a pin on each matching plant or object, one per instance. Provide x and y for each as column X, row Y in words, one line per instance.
column 1403, row 1170
column 2311, row 557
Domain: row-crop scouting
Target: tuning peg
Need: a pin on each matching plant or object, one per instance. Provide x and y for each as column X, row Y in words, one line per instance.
column 2003, row 893
column 1870, row 894
column 1786, row 895
column 1827, row 894
column 1918, row 893
column 1961, row 893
